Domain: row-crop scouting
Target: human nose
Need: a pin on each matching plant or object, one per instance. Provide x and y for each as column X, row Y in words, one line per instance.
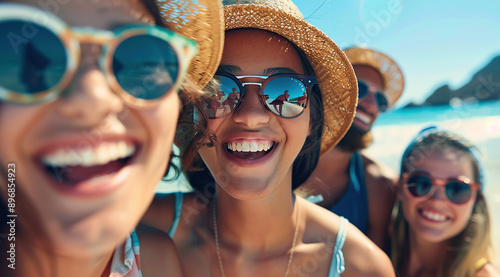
column 89, row 98
column 251, row 112
column 438, row 193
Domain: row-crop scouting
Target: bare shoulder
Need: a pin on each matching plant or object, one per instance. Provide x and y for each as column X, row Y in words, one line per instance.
column 381, row 180
column 158, row 253
column 488, row 270
column 162, row 211
column 362, row 256
column 378, row 170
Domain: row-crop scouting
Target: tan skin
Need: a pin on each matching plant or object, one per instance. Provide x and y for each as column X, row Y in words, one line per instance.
column 83, row 232
column 256, row 211
column 332, row 181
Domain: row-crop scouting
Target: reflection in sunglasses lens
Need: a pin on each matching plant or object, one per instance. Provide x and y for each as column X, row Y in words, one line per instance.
column 285, row 96
column 362, row 90
column 419, row 185
column 148, row 73
column 225, row 98
column 381, row 102
column 35, row 65
column 458, row 192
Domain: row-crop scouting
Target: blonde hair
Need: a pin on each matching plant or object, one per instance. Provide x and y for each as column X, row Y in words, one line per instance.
column 469, row 246
column 464, row 250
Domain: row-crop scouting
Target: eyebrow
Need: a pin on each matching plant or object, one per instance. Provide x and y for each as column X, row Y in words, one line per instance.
column 276, row 70
column 233, row 69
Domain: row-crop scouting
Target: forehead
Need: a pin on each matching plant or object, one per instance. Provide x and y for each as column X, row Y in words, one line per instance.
column 96, row 14
column 369, row 75
column 445, row 163
column 255, row 50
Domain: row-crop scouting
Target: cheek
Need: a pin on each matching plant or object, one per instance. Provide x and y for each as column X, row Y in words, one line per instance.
column 409, row 207
column 159, row 126
column 213, row 125
column 162, row 121
column 463, row 216
column 13, row 120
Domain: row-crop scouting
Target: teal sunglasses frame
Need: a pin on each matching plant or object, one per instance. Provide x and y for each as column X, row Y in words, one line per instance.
column 71, row 38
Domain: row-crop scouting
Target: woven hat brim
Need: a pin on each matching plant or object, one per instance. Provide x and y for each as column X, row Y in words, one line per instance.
column 333, row 71
column 391, row 73
column 203, row 22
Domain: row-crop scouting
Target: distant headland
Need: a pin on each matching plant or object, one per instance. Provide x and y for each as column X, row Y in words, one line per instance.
column 484, row 86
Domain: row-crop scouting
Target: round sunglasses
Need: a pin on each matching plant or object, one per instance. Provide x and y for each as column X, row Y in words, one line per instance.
column 40, row 54
column 421, row 185
column 363, row 90
column 286, row 95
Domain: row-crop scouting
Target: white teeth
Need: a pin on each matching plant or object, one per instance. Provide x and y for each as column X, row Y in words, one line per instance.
column 434, row 216
column 363, row 118
column 245, row 147
column 254, row 147
column 102, row 154
column 249, row 146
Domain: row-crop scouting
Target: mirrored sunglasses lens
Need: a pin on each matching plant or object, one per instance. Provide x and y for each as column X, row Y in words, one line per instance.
column 32, row 58
column 419, row 186
column 458, row 192
column 225, row 99
column 362, row 90
column 145, row 66
column 381, row 102
column 285, row 96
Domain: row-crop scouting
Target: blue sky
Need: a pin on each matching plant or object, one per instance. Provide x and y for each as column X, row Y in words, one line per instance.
column 434, row 42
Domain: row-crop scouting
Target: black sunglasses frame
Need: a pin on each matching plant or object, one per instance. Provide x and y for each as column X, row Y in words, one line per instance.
column 307, row 81
column 382, row 102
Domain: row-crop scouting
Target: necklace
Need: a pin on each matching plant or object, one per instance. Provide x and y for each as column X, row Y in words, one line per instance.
column 217, row 247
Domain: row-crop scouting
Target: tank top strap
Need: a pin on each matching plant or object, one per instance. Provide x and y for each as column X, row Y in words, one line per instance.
column 337, row 265
column 179, row 197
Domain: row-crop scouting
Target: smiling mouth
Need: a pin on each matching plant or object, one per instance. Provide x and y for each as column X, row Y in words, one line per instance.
column 363, row 118
column 438, row 217
column 70, row 167
column 249, row 149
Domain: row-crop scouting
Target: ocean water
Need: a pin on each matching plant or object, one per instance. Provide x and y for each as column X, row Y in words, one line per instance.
column 478, row 122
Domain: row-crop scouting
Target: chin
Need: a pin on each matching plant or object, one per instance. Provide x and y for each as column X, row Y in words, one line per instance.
column 355, row 139
column 246, row 189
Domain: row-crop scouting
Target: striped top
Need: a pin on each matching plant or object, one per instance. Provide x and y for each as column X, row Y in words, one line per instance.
column 126, row 259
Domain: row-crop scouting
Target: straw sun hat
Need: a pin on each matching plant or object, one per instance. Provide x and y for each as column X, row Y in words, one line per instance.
column 392, row 76
column 332, row 68
column 201, row 21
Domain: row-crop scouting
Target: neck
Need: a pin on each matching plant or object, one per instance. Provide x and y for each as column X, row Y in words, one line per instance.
column 425, row 256
column 37, row 261
column 259, row 225
column 325, row 172
column 337, row 157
